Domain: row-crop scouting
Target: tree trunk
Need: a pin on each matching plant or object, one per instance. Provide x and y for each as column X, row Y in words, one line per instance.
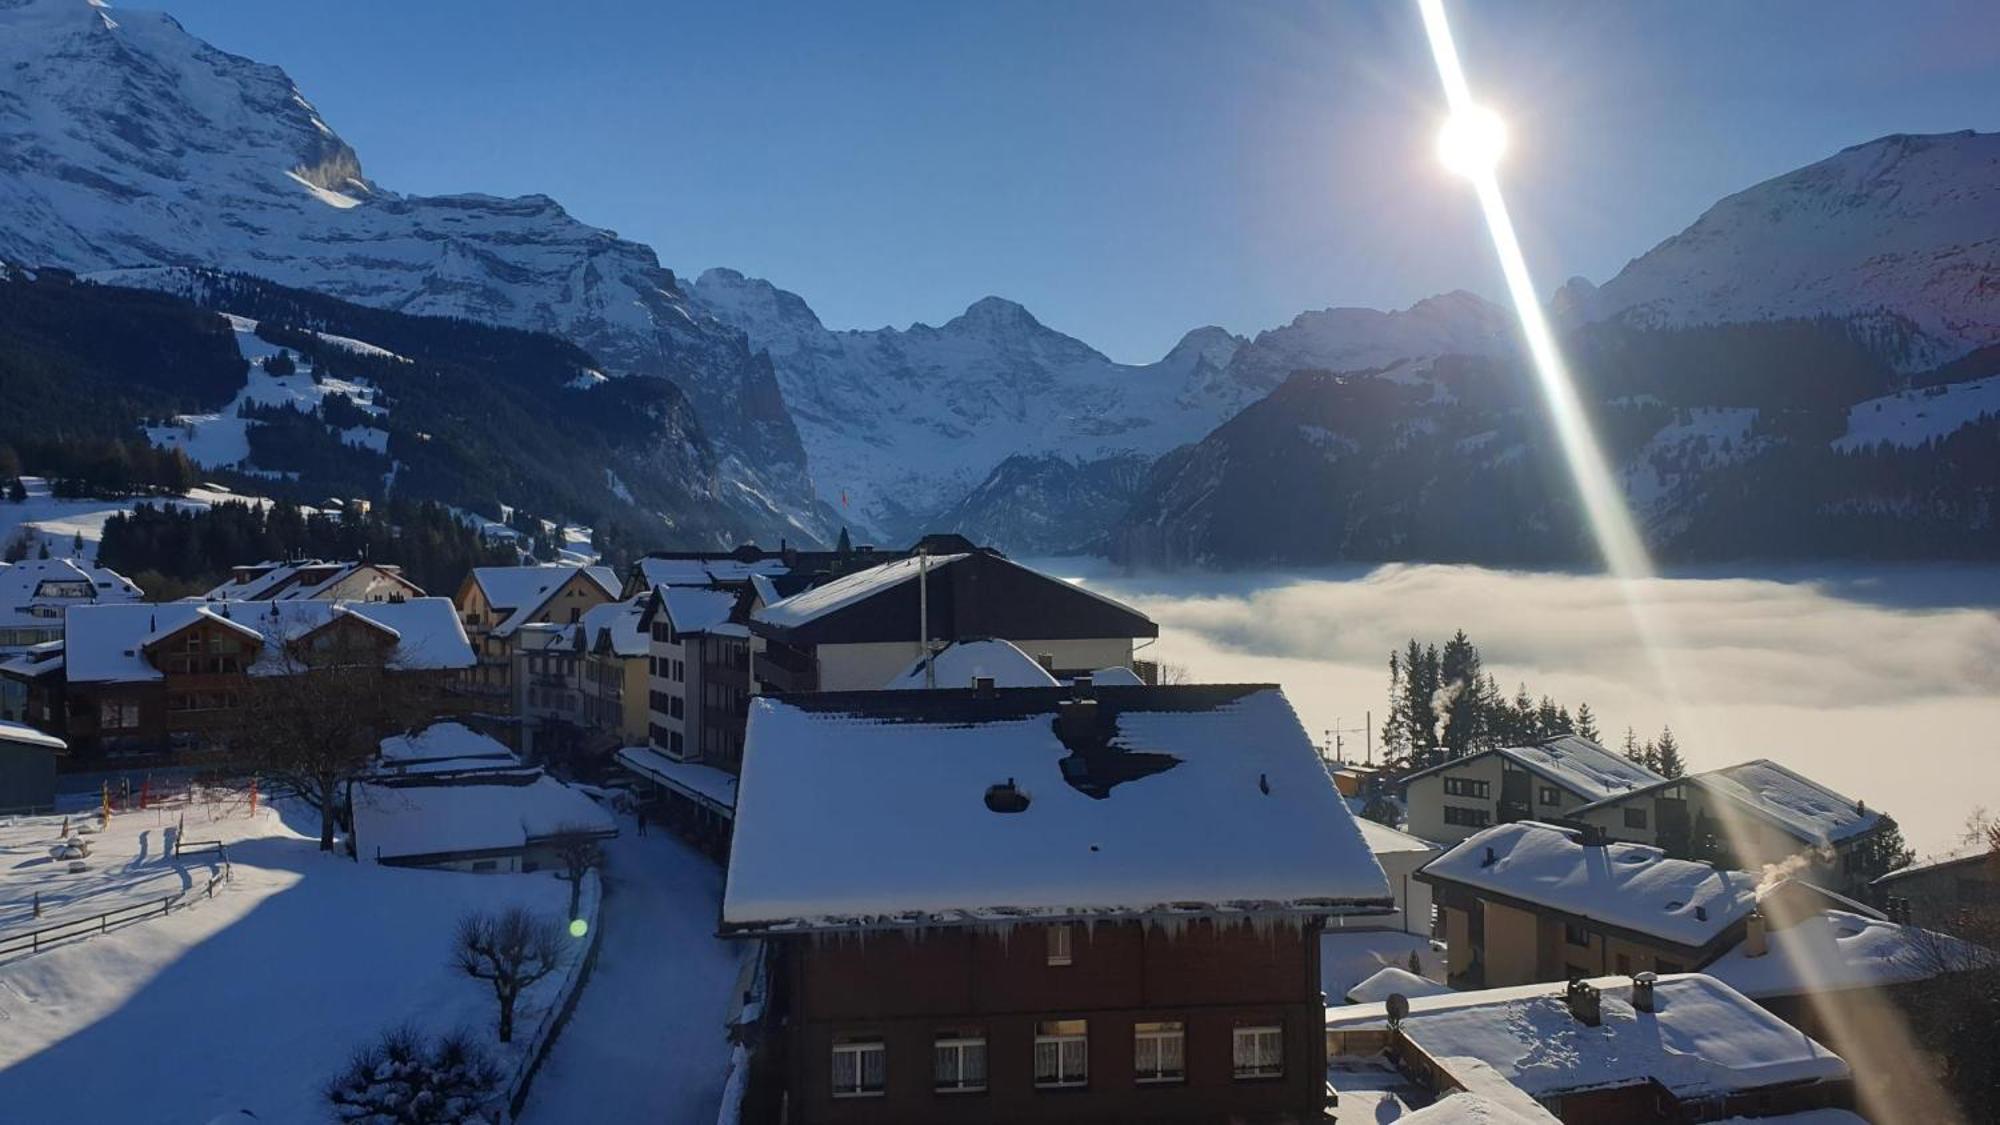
column 506, row 1019
column 325, row 823
column 575, row 891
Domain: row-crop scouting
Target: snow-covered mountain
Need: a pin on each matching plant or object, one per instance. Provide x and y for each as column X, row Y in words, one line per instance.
column 1902, row 234
column 996, row 424
column 125, row 141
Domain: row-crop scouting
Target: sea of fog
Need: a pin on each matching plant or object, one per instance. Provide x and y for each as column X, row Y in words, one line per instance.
column 1882, row 682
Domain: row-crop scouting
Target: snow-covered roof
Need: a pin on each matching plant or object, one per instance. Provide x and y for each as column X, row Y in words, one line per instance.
column 21, row 735
column 810, row 605
column 1630, row 886
column 1393, row 981
column 305, row 578
column 36, row 591
column 959, row 663
column 106, row 643
column 1487, row 1098
column 871, row 809
column 1703, row 1038
column 1383, row 839
column 620, row 623
column 1793, row 803
column 442, row 741
column 1834, row 949
column 1798, row 804
column 1573, row 762
column 706, row 572
column 708, row 783
column 521, row 590
column 461, row 817
column 1116, row 676
column 1965, row 854
column 694, row 609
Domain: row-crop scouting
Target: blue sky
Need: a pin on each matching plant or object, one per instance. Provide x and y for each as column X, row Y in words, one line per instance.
column 1127, row 170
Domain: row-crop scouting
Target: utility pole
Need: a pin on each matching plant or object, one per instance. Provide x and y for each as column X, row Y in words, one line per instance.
column 1339, row 735
column 924, row 615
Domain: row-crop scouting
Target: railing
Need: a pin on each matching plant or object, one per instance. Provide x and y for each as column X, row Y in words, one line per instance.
column 32, row 941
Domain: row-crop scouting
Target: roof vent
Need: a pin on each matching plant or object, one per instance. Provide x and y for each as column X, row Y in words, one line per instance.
column 1006, row 797
column 1490, row 858
column 1701, row 913
column 1642, row 991
column 1584, row 1003
column 983, row 686
column 1082, row 686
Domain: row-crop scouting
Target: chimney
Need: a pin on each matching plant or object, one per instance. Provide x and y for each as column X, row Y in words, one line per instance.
column 1592, row 836
column 982, row 686
column 1490, row 858
column 1642, row 991
column 1584, row 1003
column 1756, row 935
column 1047, row 660
column 1082, row 686
column 1701, row 913
column 1076, row 720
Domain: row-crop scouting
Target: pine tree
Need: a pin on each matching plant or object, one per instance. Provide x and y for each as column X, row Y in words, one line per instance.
column 1465, row 706
column 1586, row 723
column 76, row 545
column 1667, row 755
column 17, row 492
column 1880, row 852
column 1631, row 749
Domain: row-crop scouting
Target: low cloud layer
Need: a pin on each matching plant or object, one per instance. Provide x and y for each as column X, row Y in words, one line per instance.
column 1874, row 681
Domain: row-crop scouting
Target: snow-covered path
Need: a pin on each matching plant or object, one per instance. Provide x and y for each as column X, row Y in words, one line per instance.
column 646, row 1043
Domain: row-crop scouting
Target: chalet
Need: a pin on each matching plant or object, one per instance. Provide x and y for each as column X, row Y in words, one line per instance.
column 35, row 592
column 1048, row 904
column 698, row 653
column 1529, row 902
column 1641, row 1049
column 862, row 630
column 1944, row 890
column 494, row 602
column 614, row 675
column 150, row 679
column 315, row 578
column 1547, row 781
column 32, row 686
column 1745, row 815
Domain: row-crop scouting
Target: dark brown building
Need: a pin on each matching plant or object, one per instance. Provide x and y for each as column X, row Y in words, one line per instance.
column 1033, row 904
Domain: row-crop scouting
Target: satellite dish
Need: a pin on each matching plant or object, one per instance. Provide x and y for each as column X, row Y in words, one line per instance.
column 1399, row 1008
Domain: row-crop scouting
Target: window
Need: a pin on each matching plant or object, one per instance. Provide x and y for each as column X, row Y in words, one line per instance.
column 1062, row 1053
column 1466, row 787
column 485, row 864
column 1550, row 795
column 1576, row 935
column 675, row 707
column 1467, row 818
column 117, row 714
column 1260, row 1052
column 1635, row 817
column 1158, row 1051
column 959, row 1060
column 858, row 1068
column 1059, row 953
column 1624, row 965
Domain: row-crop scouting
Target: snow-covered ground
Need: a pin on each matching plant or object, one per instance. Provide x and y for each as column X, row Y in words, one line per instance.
column 247, row 1001
column 222, row 439
column 130, row 862
column 1908, row 419
column 56, row 522
column 646, row 1043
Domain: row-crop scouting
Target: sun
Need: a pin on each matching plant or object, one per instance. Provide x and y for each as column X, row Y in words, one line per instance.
column 1472, row 141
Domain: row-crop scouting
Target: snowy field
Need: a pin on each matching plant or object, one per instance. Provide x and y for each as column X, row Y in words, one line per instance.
column 1878, row 681
column 1908, row 419
column 57, row 522
column 222, row 440
column 247, row 1001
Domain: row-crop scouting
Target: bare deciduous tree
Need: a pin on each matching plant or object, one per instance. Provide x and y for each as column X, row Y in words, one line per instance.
column 408, row 1079
column 322, row 712
column 511, row 949
column 577, row 847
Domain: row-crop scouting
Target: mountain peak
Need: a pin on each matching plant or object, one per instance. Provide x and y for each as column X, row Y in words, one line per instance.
column 995, row 312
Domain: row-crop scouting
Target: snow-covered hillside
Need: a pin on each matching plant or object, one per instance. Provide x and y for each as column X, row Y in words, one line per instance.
column 45, row 520
column 125, row 141
column 1910, row 418
column 1904, row 227
column 910, row 423
column 222, row 439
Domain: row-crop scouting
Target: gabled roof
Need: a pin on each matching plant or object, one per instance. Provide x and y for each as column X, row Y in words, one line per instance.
column 705, row 571
column 1788, row 801
column 1835, row 949
column 304, row 578
column 33, row 583
column 1630, row 887
column 1702, row 1039
column 971, row 594
column 1967, row 855
column 106, row 643
column 697, row 610
column 961, row 662
column 620, row 625
column 1571, row 761
column 870, row 809
column 466, row 817
column 529, row 588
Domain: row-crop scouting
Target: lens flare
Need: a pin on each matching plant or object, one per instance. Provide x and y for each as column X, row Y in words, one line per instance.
column 1472, row 141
